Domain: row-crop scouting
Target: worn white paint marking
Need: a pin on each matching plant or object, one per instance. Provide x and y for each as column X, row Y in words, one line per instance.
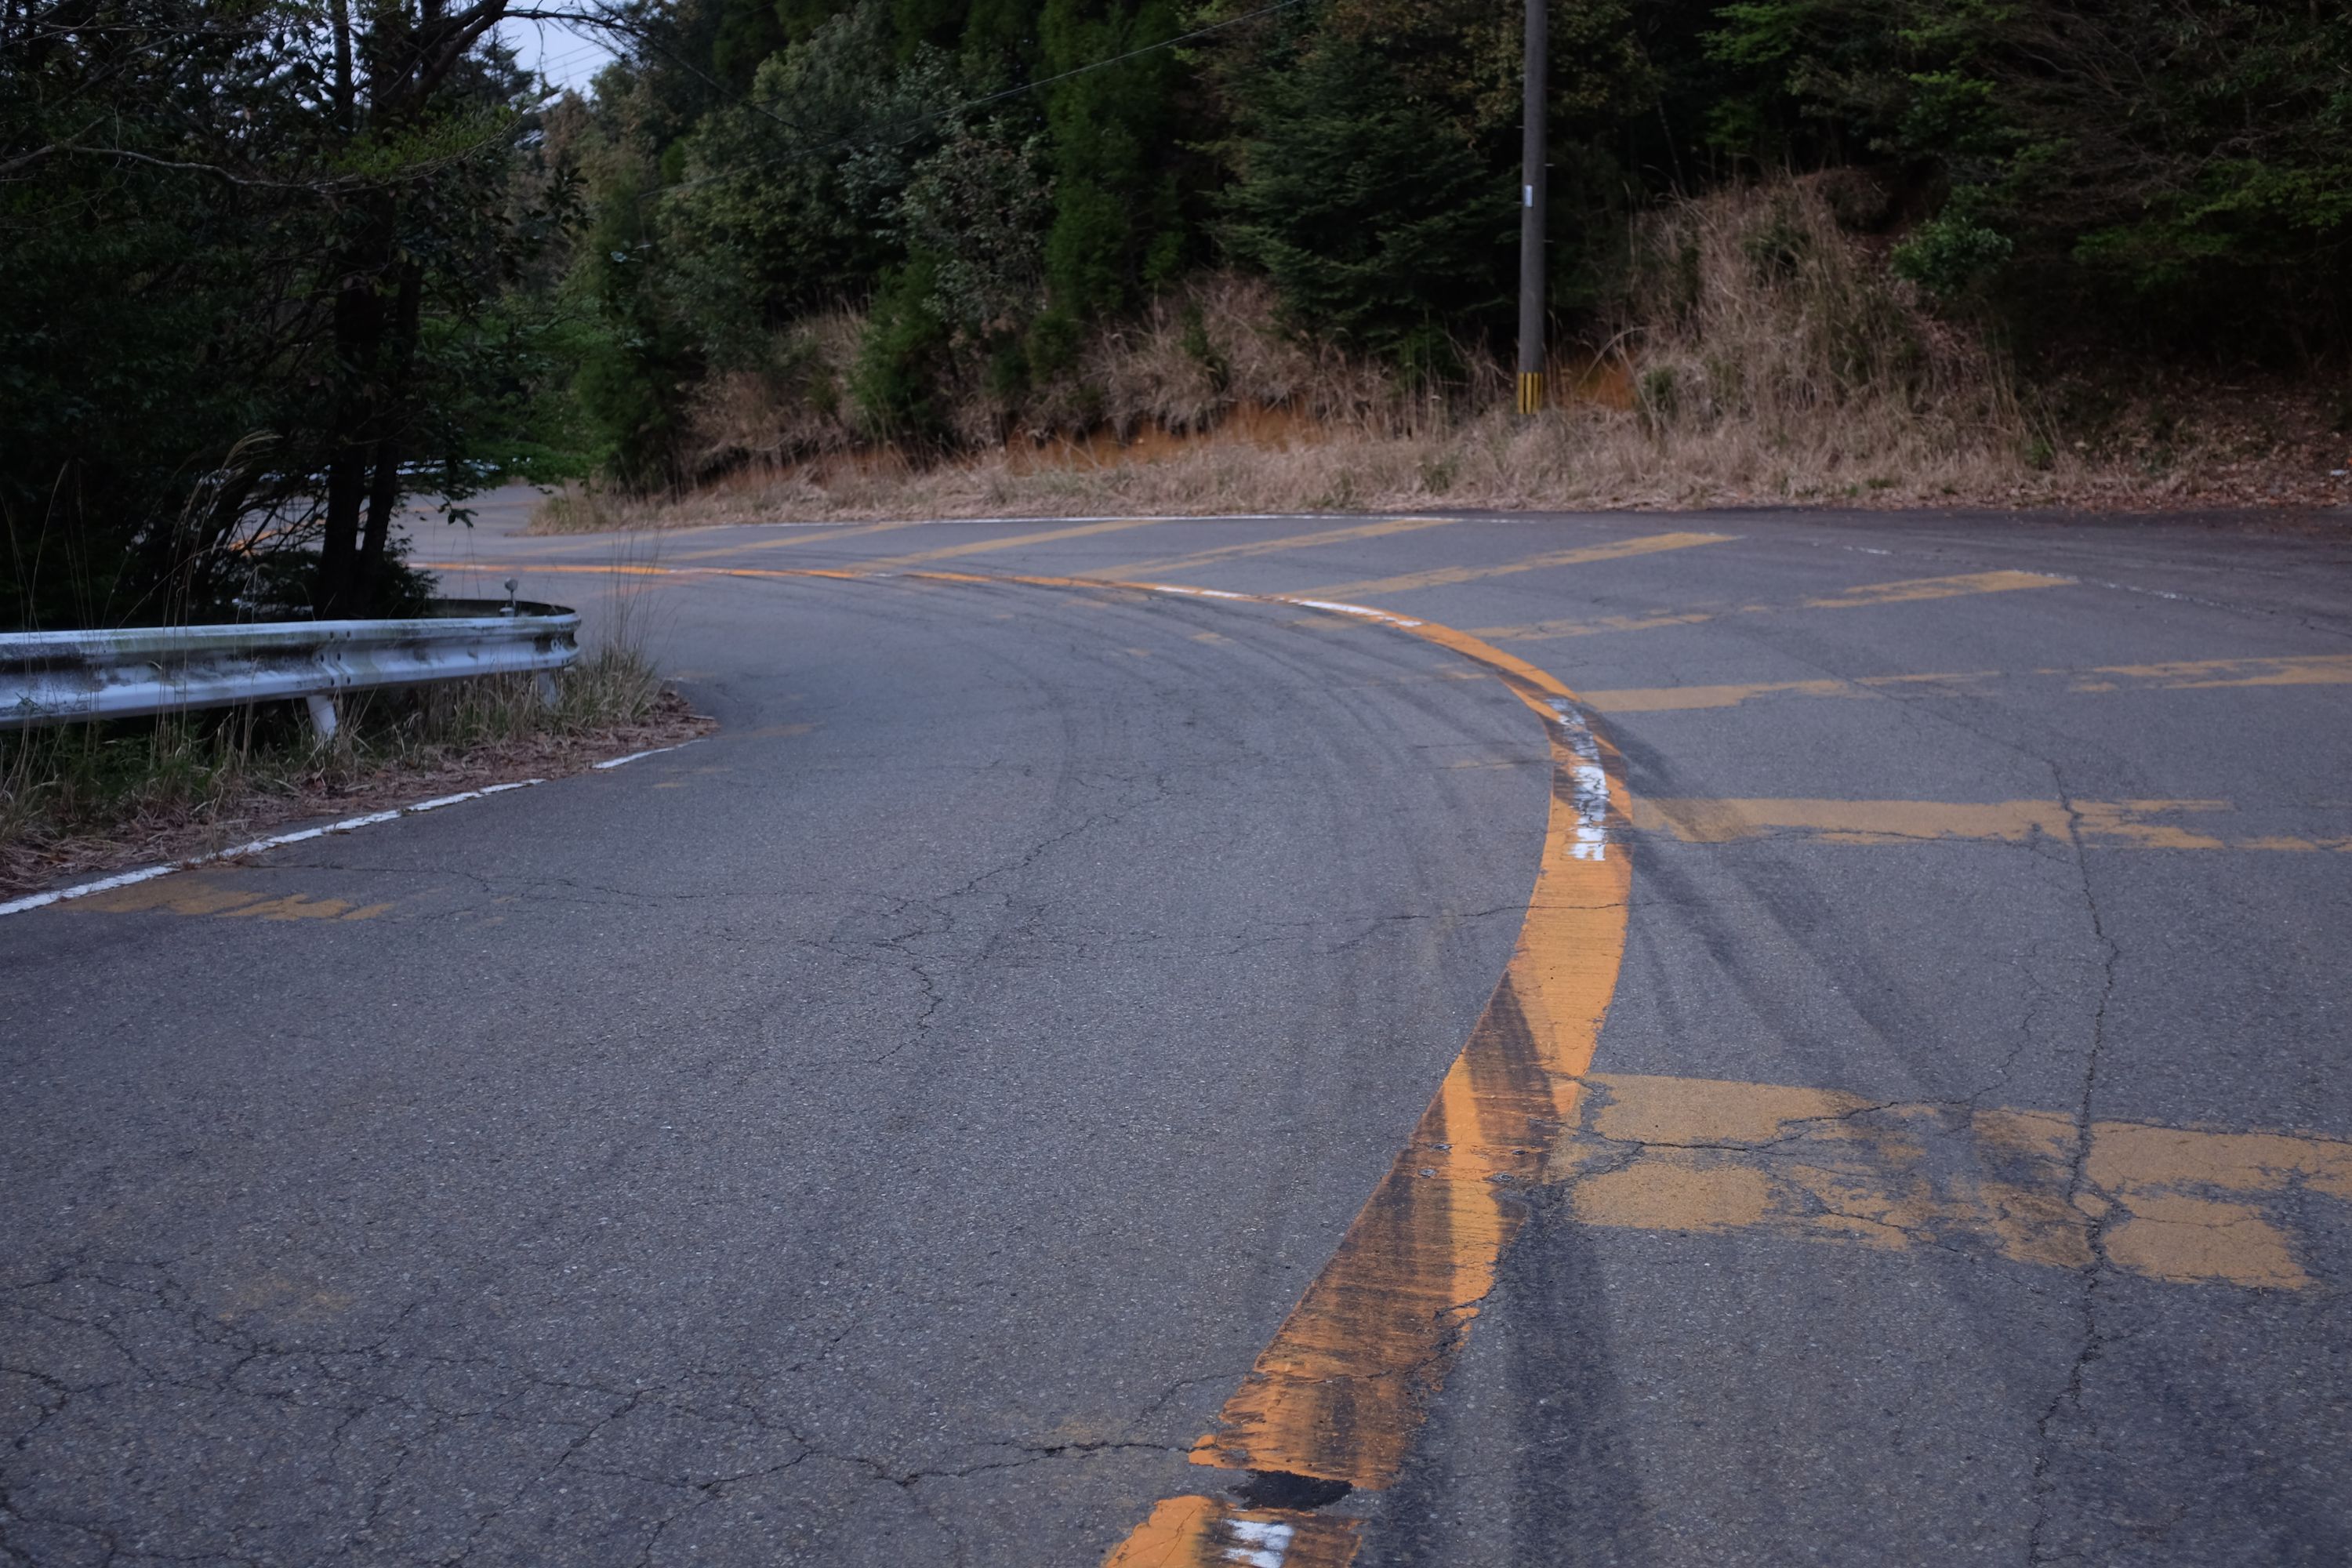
column 1261, row 1543
column 1191, row 593
column 1365, row 611
column 437, row 802
column 276, row 841
column 640, row 756
column 1591, row 785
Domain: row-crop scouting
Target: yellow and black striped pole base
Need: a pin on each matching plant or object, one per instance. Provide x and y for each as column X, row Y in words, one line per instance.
column 1531, row 392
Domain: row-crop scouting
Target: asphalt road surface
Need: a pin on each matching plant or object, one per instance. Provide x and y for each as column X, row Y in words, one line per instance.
column 1756, row 1037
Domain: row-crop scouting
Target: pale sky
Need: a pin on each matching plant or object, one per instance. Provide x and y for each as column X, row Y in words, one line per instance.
column 566, row 56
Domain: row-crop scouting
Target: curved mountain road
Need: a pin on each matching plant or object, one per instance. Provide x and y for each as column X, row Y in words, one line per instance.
column 1743, row 1038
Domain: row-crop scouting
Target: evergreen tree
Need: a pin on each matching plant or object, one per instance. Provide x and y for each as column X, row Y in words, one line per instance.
column 1370, row 213
column 1118, row 215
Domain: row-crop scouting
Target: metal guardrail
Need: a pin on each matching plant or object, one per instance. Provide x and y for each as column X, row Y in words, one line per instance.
column 48, row 678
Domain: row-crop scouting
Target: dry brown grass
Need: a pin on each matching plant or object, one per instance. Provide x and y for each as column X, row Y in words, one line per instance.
column 1759, row 355
column 799, row 408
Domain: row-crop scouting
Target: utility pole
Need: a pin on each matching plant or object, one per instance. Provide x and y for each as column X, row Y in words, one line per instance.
column 1531, row 216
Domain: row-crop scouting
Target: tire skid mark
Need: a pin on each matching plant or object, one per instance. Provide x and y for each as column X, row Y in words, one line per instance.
column 1340, row 1393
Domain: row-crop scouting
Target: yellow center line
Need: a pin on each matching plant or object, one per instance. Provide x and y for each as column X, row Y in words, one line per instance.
column 2099, row 825
column 2188, row 1205
column 1910, row 589
column 1649, row 544
column 1339, row 1393
column 1272, row 546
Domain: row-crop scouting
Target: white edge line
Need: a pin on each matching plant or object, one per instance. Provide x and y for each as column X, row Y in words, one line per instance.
column 145, row 873
column 640, row 756
column 275, row 841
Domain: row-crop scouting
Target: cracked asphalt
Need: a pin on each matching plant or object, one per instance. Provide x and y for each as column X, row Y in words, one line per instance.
column 887, row 1132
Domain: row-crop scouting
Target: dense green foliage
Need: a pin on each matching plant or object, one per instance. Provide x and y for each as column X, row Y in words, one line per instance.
column 1378, row 224
column 270, row 264
column 2154, row 161
column 260, row 279
column 2171, row 174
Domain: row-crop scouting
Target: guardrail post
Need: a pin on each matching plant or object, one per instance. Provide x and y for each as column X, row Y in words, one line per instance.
column 322, row 715
column 545, row 684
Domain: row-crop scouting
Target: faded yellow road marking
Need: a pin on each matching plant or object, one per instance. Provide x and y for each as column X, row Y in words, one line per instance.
column 793, row 573
column 797, row 540
column 1905, row 591
column 2303, row 669
column 1649, row 544
column 1546, row 631
column 1201, row 1532
column 2309, row 669
column 1143, row 569
column 983, row 547
column 1677, row 699
column 192, row 895
column 2105, row 825
column 2184, row 1205
column 1910, row 589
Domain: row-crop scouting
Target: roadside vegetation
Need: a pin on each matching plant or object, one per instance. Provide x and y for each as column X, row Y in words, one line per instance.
column 77, row 798
column 1801, row 249
column 84, row 797
column 272, row 266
